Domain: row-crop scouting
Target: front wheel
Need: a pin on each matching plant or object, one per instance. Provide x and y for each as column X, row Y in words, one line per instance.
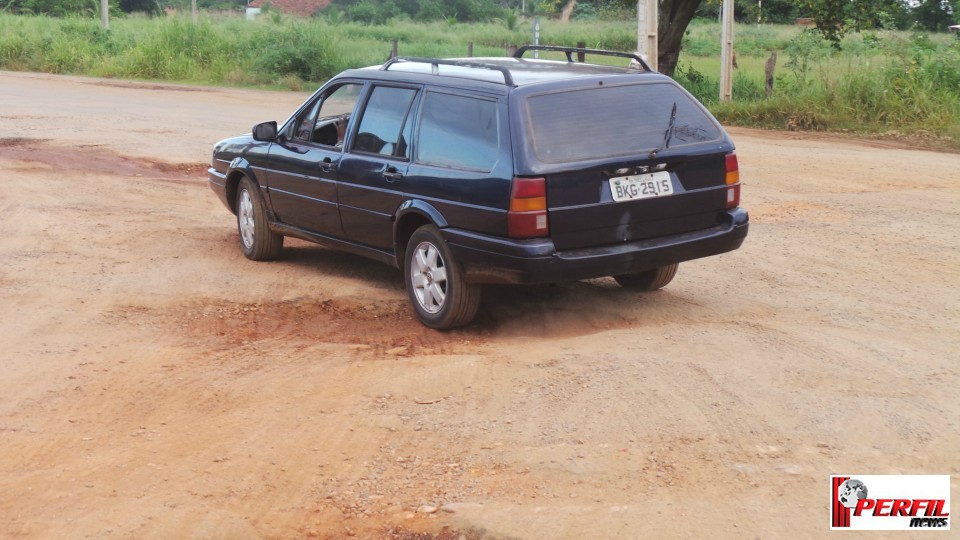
column 257, row 241
column 440, row 296
column 649, row 280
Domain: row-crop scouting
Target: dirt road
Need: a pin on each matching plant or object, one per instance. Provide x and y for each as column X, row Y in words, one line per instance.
column 156, row 384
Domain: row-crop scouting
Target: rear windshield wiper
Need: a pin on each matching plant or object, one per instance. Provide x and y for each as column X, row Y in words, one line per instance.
column 668, row 134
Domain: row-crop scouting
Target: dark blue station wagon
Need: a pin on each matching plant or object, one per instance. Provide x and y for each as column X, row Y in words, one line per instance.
column 491, row 170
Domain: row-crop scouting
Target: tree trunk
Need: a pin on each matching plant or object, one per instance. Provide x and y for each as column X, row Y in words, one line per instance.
column 675, row 15
column 567, row 10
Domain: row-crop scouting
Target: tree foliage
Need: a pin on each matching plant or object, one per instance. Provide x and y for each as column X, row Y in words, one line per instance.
column 55, row 8
column 834, row 18
column 381, row 11
column 67, row 8
column 936, row 14
column 750, row 11
column 141, row 6
column 770, row 11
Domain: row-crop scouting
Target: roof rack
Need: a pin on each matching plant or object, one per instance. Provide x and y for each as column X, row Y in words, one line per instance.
column 436, row 62
column 580, row 52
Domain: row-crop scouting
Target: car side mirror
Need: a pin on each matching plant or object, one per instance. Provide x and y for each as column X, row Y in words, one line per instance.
column 265, row 131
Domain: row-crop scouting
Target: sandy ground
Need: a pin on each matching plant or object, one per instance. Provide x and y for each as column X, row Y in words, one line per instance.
column 156, row 384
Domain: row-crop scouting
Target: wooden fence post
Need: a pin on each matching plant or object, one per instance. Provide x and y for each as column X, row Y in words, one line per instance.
column 771, row 64
column 469, row 49
column 511, row 49
column 580, row 56
column 393, row 48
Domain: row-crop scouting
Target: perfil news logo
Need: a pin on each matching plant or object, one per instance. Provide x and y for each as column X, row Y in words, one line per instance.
column 889, row 502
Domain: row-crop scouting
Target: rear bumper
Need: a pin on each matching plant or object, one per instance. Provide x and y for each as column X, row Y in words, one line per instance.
column 489, row 259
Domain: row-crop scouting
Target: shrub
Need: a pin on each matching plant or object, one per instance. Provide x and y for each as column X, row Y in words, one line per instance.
column 704, row 89
column 299, row 49
column 584, row 12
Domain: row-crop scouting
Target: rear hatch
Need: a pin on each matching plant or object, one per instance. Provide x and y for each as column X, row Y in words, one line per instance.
column 625, row 161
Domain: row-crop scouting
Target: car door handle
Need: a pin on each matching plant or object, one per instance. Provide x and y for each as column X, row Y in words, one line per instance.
column 327, row 166
column 392, row 176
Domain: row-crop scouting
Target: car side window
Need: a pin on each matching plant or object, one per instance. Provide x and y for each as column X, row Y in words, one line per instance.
column 327, row 120
column 383, row 127
column 461, row 132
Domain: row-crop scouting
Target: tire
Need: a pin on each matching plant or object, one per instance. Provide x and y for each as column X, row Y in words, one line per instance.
column 441, row 298
column 257, row 241
column 649, row 280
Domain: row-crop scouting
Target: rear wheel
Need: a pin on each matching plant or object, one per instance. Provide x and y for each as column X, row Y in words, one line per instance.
column 257, row 241
column 649, row 280
column 440, row 296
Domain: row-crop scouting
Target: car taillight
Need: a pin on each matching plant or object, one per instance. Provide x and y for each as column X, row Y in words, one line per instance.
column 527, row 217
column 733, row 181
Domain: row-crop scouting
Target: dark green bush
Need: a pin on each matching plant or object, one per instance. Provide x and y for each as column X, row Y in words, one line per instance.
column 705, row 89
column 299, row 49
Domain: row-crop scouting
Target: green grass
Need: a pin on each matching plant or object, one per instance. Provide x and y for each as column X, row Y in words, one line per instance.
column 881, row 82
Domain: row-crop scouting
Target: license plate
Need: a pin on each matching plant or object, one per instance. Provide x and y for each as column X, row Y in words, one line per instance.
column 641, row 186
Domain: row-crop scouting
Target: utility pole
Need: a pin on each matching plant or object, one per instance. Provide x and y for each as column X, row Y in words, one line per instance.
column 647, row 19
column 104, row 14
column 726, row 52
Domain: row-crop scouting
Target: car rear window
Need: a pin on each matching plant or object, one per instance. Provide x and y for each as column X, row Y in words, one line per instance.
column 611, row 121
